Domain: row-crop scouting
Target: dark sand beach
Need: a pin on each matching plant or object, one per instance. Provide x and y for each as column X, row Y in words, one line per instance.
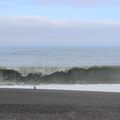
column 21, row 104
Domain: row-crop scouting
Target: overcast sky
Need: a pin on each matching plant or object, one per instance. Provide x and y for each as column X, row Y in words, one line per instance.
column 59, row 22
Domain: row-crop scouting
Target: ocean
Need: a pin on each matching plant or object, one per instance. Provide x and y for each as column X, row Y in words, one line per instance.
column 59, row 56
column 59, row 65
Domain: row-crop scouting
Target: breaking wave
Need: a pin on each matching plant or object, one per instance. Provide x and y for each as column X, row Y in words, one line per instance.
column 76, row 75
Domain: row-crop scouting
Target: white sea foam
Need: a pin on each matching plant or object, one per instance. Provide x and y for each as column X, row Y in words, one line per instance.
column 77, row 87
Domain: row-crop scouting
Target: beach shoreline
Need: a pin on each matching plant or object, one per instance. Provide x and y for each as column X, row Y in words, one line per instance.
column 29, row 104
column 67, row 87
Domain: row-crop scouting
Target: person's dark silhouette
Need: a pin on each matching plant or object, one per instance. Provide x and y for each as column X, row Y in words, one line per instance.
column 34, row 88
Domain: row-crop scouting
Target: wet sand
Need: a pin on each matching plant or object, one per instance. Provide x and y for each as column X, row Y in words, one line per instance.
column 21, row 104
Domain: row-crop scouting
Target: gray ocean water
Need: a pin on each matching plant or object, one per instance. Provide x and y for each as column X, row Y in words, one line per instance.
column 59, row 57
column 60, row 64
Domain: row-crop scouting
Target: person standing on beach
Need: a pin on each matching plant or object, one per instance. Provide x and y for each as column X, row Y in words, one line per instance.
column 34, row 88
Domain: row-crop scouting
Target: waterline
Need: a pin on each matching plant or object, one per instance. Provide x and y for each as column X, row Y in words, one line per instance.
column 76, row 87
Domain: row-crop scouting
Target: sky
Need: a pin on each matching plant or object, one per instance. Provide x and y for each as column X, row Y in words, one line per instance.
column 59, row 23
